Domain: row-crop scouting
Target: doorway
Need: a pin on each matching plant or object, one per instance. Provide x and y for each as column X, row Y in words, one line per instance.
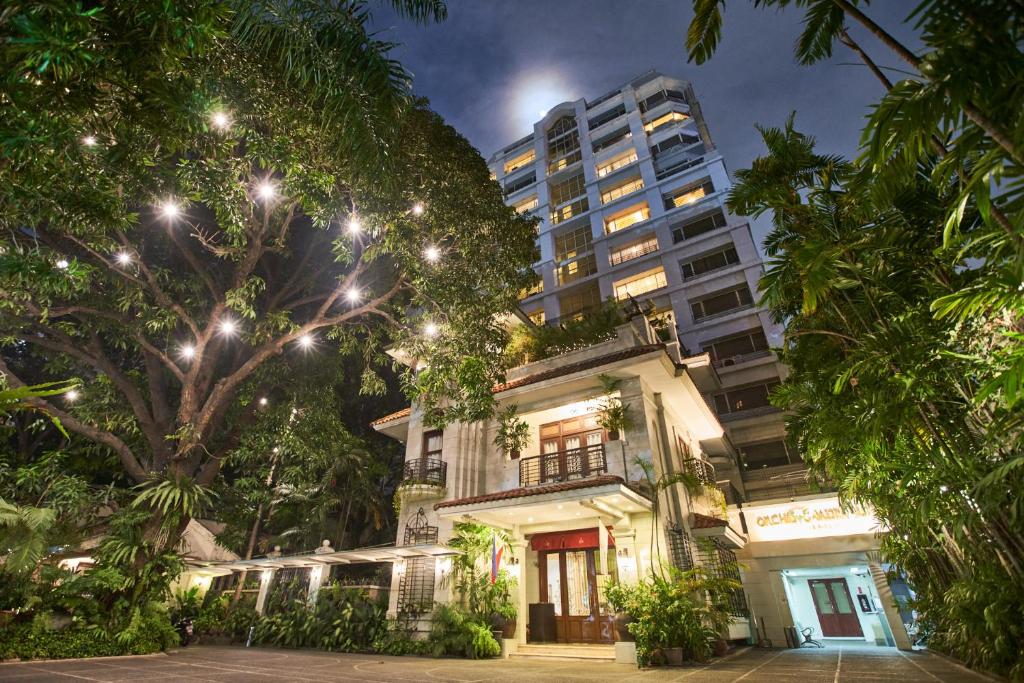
column 835, row 608
column 569, row 580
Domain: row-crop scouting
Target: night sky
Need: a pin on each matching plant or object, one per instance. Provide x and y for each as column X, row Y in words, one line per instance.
column 492, row 67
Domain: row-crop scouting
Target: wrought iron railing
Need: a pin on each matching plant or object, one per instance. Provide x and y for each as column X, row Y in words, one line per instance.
column 425, row 471
column 731, row 493
column 575, row 463
column 701, row 470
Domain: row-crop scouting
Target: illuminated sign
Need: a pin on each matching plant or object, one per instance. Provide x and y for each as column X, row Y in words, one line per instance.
column 806, row 519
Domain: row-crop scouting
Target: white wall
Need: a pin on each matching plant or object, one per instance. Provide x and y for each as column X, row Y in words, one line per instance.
column 802, row 603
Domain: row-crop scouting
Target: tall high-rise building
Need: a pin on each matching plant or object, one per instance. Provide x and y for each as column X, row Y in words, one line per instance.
column 631, row 193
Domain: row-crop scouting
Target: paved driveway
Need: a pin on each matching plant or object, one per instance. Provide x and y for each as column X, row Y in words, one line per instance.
column 219, row 664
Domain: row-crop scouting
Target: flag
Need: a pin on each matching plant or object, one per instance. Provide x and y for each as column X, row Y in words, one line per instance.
column 495, row 557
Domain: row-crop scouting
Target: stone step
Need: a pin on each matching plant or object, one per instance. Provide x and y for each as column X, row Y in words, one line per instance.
column 553, row 651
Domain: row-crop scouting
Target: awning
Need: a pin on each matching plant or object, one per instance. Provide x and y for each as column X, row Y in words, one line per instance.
column 356, row 556
column 704, row 526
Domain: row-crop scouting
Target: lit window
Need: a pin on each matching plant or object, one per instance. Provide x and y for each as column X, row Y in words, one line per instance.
column 628, row 187
column 688, row 197
column 615, row 163
column 528, row 204
column 530, row 291
column 566, row 212
column 640, row 284
column 537, row 317
column 634, row 250
column 624, row 219
column 518, row 162
column 664, row 119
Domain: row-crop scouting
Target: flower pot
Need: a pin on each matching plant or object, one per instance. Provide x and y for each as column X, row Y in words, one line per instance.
column 509, row 631
column 613, row 434
column 622, row 621
column 719, row 647
column 514, row 454
column 673, row 656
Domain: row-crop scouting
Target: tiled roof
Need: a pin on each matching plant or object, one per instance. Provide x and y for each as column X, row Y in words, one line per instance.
column 579, row 367
column 551, row 374
column 706, row 522
column 559, row 487
column 404, row 412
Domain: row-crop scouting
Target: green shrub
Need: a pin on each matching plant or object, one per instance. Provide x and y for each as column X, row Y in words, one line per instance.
column 149, row 632
column 528, row 344
column 343, row 620
column 454, row 632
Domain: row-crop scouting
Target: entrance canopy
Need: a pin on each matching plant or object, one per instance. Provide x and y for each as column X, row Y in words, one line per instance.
column 606, row 496
column 318, row 559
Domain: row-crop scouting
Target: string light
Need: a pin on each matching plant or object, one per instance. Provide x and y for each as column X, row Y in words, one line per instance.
column 170, row 210
column 62, row 263
column 432, row 254
column 305, row 341
column 266, row 191
column 353, row 225
column 353, row 295
column 89, row 140
column 264, row 401
column 430, row 329
column 124, row 258
column 228, row 327
column 943, row 488
column 188, row 351
column 72, row 395
column 417, row 209
column 219, row 120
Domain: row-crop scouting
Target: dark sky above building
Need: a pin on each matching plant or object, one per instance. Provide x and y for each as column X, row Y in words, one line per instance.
column 493, row 67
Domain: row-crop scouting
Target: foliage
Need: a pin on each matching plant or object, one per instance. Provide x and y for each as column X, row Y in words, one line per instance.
column 343, row 620
column 455, row 632
column 613, row 414
column 24, row 532
column 688, row 609
column 513, row 432
column 470, row 573
column 529, row 343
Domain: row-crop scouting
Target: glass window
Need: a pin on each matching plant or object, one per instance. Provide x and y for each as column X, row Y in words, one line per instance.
column 689, row 194
column 537, row 317
column 564, row 213
column 611, row 139
column 693, row 227
column 722, row 302
column 640, row 284
column 768, row 454
column 709, row 262
column 627, row 217
column 606, row 116
column 519, row 161
column 568, row 189
column 616, row 162
column 432, row 443
column 516, row 184
column 634, row 250
column 573, row 243
column 528, row 204
column 745, row 398
column 726, row 349
column 663, row 120
column 628, row 187
column 579, row 301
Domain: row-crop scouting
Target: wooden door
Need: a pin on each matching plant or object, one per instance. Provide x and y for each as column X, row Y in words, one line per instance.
column 569, row 581
column 568, row 443
column 836, row 612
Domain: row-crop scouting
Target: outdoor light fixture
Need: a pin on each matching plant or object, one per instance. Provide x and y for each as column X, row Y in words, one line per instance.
column 353, row 295
column 89, row 140
column 228, row 327
column 353, row 225
column 62, row 264
column 188, row 351
column 417, row 209
column 170, row 210
column 264, row 401
column 266, row 191
column 124, row 258
column 72, row 395
column 219, row 119
column 305, row 341
column 432, row 254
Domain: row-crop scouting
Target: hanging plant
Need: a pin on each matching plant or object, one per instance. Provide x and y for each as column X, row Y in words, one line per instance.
column 613, row 414
column 513, row 432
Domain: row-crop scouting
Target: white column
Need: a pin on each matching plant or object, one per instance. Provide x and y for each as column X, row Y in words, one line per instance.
column 519, row 546
column 266, row 578
column 892, row 615
column 317, row 577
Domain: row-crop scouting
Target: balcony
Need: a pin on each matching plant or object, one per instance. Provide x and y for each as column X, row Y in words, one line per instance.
column 568, row 465
column 425, row 472
column 701, row 470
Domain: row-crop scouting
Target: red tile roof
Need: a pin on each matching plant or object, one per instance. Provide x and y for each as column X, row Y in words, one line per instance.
column 706, row 522
column 551, row 374
column 404, row 412
column 559, row 487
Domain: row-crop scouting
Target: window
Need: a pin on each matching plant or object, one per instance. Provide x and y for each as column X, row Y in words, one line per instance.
column 606, row 116
column 564, row 162
column 640, row 284
column 530, row 291
column 612, row 138
column 564, row 213
column 668, row 170
column 432, row 443
column 659, row 97
column 769, row 454
column 577, row 269
column 692, row 227
column 616, row 162
column 537, row 317
column 573, row 243
column 664, row 120
column 416, row 586
column 746, row 398
column 720, row 258
column 522, row 182
column 568, row 189
column 688, row 194
column 724, row 351
column 721, row 302
column 528, row 204
column 579, row 301
column 628, row 187
column 634, row 250
column 563, row 138
column 624, row 219
column 674, row 141
column 527, row 157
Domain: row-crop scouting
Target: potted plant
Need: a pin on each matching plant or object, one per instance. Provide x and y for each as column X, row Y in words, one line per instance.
column 619, row 597
column 613, row 414
column 513, row 432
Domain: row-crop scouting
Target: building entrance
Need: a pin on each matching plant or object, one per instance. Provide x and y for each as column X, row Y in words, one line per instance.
column 835, row 608
column 569, row 581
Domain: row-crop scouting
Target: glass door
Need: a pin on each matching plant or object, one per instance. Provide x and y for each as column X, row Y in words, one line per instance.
column 835, row 609
column 571, row 584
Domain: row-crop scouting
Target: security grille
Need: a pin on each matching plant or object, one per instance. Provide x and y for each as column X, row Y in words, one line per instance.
column 721, row 562
column 418, row 532
column 679, row 547
column 416, row 587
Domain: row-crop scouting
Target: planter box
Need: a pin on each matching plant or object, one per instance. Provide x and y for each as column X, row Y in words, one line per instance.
column 625, row 652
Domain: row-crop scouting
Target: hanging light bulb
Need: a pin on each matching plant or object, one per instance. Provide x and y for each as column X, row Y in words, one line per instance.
column 353, row 295
column 266, row 191
column 417, row 209
column 264, row 401
column 62, row 263
column 72, row 395
column 432, row 254
column 220, row 120
column 305, row 341
column 228, row 327
column 188, row 351
column 89, row 140
column 353, row 225
column 170, row 210
column 430, row 329
column 124, row 258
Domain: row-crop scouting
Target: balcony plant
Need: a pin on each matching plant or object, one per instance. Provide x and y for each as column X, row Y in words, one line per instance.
column 513, row 432
column 613, row 414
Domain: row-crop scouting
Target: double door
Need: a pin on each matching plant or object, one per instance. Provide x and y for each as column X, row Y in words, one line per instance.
column 571, row 449
column 569, row 580
column 836, row 613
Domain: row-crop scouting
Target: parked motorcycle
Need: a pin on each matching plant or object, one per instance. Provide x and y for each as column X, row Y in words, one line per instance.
column 185, row 631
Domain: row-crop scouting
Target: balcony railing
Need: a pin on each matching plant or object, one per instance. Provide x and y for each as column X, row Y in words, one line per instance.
column 430, row 471
column 701, row 470
column 575, row 463
column 731, row 493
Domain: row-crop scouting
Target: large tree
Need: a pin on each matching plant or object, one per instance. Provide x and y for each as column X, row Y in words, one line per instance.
column 193, row 189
